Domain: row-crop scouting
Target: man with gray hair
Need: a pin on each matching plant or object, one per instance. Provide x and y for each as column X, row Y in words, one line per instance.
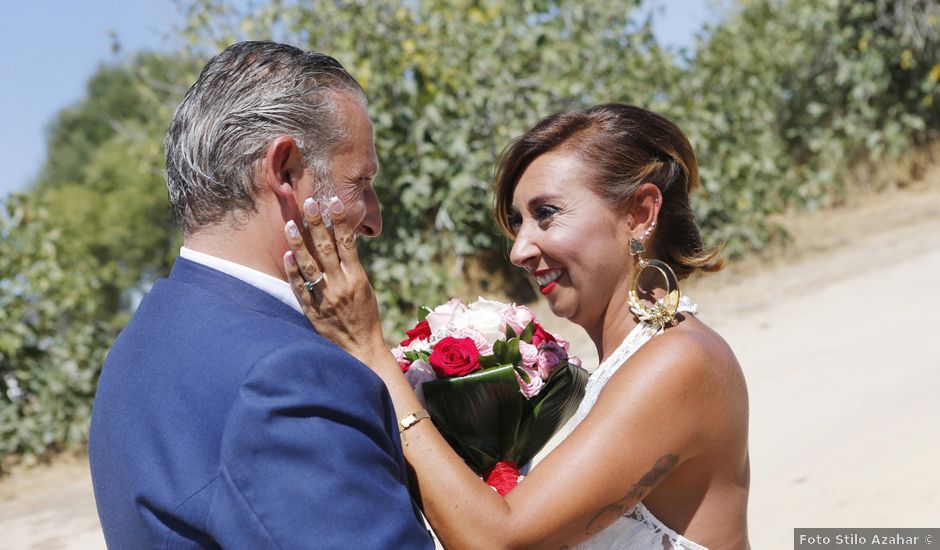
column 221, row 418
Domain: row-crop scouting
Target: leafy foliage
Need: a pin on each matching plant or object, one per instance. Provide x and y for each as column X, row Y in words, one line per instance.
column 80, row 247
column 780, row 100
column 785, row 96
column 53, row 340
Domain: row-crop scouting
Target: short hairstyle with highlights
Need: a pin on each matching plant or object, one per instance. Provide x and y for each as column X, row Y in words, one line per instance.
column 245, row 97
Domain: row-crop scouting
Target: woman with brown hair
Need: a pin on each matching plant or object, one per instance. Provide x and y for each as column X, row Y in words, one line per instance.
column 597, row 202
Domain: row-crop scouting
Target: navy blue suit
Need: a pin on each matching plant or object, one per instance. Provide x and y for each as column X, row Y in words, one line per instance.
column 222, row 419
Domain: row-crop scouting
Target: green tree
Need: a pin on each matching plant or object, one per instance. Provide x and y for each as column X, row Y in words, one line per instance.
column 781, row 100
column 784, row 97
column 79, row 247
column 103, row 176
column 53, row 340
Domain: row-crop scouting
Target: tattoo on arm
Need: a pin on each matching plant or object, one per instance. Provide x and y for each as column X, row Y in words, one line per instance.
column 606, row 515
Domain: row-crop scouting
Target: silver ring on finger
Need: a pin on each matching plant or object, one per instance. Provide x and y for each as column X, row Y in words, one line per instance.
column 310, row 285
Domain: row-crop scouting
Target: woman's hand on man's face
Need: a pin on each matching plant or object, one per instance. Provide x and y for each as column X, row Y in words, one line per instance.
column 330, row 283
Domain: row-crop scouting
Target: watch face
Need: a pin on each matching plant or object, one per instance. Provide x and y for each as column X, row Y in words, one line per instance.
column 411, row 419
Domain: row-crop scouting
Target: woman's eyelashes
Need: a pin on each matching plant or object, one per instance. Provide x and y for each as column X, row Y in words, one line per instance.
column 515, row 221
column 541, row 213
column 544, row 212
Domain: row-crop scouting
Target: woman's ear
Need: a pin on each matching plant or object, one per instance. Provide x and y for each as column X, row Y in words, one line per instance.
column 283, row 166
column 647, row 201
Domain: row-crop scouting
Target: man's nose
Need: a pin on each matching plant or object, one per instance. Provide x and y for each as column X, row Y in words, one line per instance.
column 371, row 224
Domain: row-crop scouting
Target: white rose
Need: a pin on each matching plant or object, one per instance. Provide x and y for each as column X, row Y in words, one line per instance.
column 486, row 322
column 482, row 304
column 485, row 316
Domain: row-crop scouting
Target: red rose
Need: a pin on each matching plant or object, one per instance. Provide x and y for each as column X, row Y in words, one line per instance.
column 422, row 331
column 454, row 357
column 541, row 335
column 502, row 476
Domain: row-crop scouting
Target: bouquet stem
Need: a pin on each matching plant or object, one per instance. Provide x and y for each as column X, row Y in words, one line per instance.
column 502, row 476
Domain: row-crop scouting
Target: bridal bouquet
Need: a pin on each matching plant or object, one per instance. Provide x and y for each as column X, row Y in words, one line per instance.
column 496, row 384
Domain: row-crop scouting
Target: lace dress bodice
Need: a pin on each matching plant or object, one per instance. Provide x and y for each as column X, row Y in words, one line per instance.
column 638, row 528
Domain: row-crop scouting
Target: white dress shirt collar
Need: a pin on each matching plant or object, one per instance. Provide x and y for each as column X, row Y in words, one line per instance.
column 262, row 281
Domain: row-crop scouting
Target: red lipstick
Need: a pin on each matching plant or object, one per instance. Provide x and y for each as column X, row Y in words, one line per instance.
column 540, row 276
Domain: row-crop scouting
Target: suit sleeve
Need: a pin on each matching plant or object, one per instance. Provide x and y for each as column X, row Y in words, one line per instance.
column 308, row 459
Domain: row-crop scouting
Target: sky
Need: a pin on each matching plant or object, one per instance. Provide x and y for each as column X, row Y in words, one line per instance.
column 54, row 46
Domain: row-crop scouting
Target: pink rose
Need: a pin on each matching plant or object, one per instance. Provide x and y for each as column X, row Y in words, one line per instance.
column 533, row 386
column 455, row 357
column 529, row 353
column 550, row 355
column 483, row 346
column 517, row 317
column 418, row 373
column 445, row 314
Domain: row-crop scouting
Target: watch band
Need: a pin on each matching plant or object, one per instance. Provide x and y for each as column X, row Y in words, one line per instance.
column 410, row 420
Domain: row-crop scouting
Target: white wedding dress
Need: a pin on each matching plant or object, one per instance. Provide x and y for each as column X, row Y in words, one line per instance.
column 638, row 528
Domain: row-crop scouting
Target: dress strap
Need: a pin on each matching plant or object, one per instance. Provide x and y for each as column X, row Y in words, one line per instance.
column 642, row 333
column 686, row 305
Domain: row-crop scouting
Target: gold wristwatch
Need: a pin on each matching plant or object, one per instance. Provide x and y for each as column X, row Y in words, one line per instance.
column 410, row 420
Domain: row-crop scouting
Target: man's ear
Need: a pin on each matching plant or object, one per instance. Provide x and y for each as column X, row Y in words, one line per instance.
column 283, row 166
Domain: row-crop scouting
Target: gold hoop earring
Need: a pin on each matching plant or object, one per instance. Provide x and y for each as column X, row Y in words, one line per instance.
column 663, row 311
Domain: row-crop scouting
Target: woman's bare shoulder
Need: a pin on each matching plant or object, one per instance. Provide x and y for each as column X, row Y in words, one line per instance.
column 694, row 352
column 694, row 370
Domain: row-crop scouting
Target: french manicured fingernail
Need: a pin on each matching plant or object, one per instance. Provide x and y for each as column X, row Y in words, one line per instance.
column 336, row 205
column 289, row 258
column 311, row 207
column 292, row 230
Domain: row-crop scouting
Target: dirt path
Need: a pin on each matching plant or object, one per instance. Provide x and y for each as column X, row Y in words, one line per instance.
column 842, row 359
column 49, row 508
column 838, row 341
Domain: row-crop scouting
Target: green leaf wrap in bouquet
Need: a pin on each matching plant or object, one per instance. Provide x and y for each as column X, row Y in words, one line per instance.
column 497, row 385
